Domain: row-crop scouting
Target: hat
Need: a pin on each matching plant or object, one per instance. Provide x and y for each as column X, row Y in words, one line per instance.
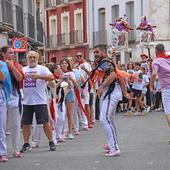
column 144, row 55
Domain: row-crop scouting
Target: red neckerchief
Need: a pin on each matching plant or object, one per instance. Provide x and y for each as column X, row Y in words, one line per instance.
column 81, row 62
column 163, row 55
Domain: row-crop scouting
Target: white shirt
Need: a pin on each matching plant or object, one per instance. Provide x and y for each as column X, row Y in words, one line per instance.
column 34, row 90
column 84, row 75
column 144, row 82
column 116, row 94
column 137, row 84
column 147, row 67
column 72, row 75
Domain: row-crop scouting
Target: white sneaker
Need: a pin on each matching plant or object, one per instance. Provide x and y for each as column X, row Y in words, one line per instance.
column 70, row 136
column 148, row 109
column 34, row 144
column 136, row 114
column 113, row 153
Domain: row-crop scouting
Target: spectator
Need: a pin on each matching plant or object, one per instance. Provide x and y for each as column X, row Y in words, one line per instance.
column 35, row 99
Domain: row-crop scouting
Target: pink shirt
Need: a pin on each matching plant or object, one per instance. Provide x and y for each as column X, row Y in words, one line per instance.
column 162, row 66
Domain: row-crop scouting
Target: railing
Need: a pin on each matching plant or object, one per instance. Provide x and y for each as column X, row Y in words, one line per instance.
column 39, row 31
column 76, row 37
column 132, row 34
column 19, row 19
column 53, row 3
column 100, row 38
column 31, row 26
column 64, row 39
column 7, row 14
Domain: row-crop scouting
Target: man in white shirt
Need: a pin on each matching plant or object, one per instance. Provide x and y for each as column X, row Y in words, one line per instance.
column 85, row 69
column 35, row 99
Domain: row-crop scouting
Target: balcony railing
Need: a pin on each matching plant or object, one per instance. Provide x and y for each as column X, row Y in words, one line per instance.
column 31, row 26
column 65, row 39
column 39, row 31
column 7, row 14
column 132, row 34
column 53, row 3
column 19, row 19
column 100, row 38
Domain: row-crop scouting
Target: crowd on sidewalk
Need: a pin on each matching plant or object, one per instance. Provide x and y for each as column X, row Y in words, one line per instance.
column 64, row 98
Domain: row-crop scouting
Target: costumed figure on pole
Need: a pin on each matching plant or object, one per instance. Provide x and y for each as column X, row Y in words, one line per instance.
column 146, row 32
column 120, row 32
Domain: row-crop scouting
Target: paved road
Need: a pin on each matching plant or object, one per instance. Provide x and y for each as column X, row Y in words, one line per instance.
column 143, row 143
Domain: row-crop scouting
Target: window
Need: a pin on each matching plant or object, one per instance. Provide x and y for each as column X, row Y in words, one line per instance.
column 78, row 26
column 65, row 28
column 115, row 12
column 102, row 26
column 130, row 12
column 20, row 3
column 102, row 19
column 52, row 26
column 31, row 7
column 53, row 30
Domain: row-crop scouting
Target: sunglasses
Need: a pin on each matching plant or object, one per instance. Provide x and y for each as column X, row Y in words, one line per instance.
column 79, row 56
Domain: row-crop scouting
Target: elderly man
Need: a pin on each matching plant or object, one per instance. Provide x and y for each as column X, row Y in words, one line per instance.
column 161, row 67
column 35, row 99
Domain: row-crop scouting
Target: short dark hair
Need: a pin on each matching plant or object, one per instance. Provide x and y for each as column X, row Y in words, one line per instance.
column 159, row 48
column 138, row 64
column 3, row 49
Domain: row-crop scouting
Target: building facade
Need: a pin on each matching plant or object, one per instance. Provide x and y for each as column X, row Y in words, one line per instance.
column 22, row 18
column 101, row 13
column 66, row 29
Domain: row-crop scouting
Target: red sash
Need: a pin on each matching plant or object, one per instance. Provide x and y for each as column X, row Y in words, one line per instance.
column 77, row 93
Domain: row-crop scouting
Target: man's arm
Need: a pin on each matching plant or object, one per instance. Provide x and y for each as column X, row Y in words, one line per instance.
column 49, row 77
column 19, row 76
column 2, row 76
column 153, row 78
column 106, row 83
column 123, row 87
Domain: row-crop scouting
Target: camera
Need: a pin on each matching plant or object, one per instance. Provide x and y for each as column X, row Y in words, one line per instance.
column 65, row 78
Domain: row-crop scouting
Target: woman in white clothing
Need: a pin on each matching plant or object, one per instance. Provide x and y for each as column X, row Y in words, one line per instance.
column 69, row 77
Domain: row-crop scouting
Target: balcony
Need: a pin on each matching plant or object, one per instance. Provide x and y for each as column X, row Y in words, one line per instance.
column 31, row 26
column 132, row 34
column 54, row 3
column 7, row 14
column 100, row 38
column 19, row 19
column 65, row 39
column 39, row 31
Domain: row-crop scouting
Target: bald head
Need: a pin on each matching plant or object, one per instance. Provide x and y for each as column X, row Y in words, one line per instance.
column 32, row 58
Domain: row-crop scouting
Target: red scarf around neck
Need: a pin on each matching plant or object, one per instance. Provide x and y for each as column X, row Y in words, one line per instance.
column 163, row 55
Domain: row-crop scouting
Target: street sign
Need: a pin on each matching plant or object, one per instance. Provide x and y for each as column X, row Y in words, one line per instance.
column 19, row 44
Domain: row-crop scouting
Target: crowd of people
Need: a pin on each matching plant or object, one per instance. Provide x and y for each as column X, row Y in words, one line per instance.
column 67, row 97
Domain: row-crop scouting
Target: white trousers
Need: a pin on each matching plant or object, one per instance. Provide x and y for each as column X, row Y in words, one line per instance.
column 79, row 117
column 107, row 118
column 59, row 126
column 3, row 119
column 14, row 122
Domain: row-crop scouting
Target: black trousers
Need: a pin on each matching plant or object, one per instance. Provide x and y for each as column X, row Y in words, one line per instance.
column 158, row 99
column 148, row 96
column 97, row 110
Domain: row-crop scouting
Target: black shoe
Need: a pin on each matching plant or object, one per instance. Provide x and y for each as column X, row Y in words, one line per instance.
column 26, row 147
column 52, row 146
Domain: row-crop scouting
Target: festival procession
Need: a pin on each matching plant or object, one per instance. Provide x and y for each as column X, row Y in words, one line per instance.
column 70, row 68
